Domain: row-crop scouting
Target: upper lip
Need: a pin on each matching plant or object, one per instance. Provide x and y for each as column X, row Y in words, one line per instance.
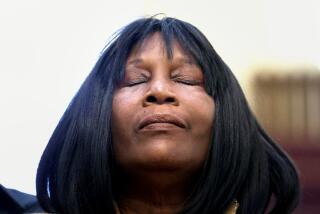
column 162, row 118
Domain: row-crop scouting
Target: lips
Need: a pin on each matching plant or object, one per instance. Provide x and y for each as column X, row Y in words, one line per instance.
column 161, row 119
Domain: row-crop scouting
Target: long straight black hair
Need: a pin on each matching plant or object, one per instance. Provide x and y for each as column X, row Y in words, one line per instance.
column 76, row 171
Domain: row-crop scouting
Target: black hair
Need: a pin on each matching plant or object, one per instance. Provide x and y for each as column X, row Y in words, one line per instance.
column 75, row 173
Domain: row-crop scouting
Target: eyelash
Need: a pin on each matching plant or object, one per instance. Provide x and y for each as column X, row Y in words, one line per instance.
column 189, row 82
column 186, row 81
column 133, row 83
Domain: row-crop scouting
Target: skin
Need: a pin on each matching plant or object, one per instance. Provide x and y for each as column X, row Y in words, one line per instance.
column 159, row 164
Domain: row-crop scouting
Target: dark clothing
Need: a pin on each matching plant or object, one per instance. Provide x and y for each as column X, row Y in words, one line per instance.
column 13, row 201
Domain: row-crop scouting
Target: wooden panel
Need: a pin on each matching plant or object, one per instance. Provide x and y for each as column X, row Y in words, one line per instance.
column 288, row 107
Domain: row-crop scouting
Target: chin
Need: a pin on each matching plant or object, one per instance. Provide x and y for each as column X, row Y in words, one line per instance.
column 162, row 166
column 160, row 155
column 163, row 162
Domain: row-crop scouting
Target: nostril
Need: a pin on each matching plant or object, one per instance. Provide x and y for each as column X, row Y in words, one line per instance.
column 151, row 99
column 169, row 100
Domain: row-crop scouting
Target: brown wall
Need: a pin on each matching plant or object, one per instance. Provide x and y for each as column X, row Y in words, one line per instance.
column 288, row 107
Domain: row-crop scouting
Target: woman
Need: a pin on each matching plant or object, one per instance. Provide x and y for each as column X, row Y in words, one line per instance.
column 161, row 126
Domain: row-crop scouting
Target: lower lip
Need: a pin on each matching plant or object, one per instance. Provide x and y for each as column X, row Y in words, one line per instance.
column 160, row 127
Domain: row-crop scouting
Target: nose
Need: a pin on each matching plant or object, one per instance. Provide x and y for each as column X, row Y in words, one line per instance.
column 160, row 92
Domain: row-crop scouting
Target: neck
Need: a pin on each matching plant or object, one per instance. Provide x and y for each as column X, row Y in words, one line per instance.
column 154, row 192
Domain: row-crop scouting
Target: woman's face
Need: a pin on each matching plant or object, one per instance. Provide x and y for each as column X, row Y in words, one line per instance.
column 162, row 117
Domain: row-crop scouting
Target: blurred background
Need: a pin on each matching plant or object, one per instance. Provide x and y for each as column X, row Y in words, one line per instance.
column 47, row 48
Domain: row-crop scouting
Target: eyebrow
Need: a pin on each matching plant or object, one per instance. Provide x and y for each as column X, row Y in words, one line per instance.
column 135, row 61
column 185, row 60
column 179, row 60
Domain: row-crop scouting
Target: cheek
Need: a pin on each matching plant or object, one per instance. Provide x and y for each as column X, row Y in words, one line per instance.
column 120, row 123
column 120, row 103
column 124, row 105
column 202, row 111
column 123, row 108
column 201, row 107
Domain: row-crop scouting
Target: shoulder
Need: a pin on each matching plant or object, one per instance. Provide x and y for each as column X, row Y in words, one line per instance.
column 14, row 201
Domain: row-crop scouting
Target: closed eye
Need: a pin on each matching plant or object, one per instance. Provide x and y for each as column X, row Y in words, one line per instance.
column 130, row 83
column 187, row 81
column 134, row 78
